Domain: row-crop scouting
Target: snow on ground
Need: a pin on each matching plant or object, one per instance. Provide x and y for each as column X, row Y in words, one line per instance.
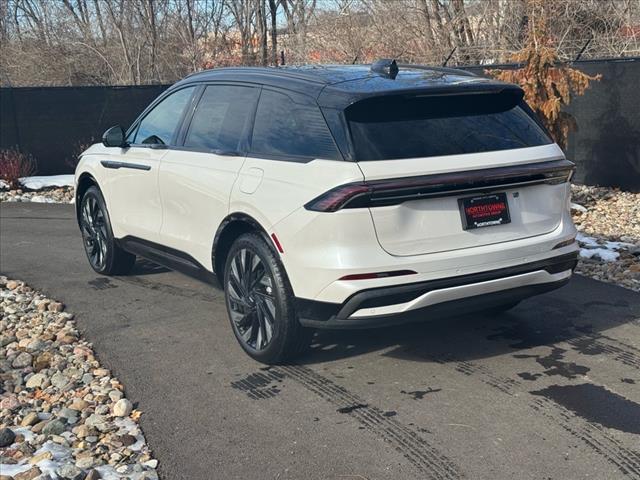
column 606, row 251
column 40, row 182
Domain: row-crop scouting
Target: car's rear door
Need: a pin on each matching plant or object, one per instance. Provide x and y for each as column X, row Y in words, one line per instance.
column 133, row 197
column 196, row 179
column 457, row 172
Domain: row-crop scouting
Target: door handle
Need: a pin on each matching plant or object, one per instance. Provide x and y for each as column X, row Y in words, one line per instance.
column 117, row 165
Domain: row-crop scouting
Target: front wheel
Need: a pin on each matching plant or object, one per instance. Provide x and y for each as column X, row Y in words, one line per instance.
column 260, row 302
column 104, row 255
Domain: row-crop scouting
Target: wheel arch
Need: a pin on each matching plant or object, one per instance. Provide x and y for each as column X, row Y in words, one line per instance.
column 233, row 225
column 85, row 182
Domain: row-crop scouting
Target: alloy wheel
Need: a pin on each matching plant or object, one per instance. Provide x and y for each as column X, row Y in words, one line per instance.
column 252, row 304
column 94, row 232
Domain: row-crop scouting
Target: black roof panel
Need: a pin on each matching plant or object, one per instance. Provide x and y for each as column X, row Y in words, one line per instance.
column 341, row 85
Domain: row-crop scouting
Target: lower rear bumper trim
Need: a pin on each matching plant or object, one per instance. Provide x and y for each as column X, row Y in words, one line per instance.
column 413, row 297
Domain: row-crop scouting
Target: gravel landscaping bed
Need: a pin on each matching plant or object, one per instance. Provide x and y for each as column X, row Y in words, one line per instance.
column 47, row 195
column 62, row 415
column 609, row 225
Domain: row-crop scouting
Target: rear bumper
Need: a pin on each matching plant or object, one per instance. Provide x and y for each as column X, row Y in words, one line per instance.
column 399, row 303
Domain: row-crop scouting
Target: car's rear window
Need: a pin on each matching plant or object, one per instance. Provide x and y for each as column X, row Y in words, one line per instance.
column 397, row 127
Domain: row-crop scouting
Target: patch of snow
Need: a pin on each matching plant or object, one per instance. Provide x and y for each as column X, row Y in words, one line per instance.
column 602, row 253
column 41, row 199
column 13, row 470
column 618, row 245
column 25, row 432
column 578, row 207
column 40, row 182
column 588, row 241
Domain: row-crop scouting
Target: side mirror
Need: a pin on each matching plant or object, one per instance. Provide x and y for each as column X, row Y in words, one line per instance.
column 114, row 137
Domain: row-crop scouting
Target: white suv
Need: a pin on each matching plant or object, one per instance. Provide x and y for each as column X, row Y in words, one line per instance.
column 334, row 196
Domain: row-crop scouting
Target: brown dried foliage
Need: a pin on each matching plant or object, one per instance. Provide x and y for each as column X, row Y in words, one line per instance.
column 548, row 83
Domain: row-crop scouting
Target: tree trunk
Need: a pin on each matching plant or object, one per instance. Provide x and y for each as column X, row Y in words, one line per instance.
column 273, row 10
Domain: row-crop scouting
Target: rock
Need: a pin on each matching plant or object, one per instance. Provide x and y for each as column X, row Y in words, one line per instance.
column 35, row 344
column 70, row 472
column 30, row 474
column 153, row 463
column 42, row 306
column 37, row 428
column 59, row 381
column 82, row 431
column 56, row 307
column 42, row 361
column 66, row 338
column 23, row 360
column 102, row 409
column 85, row 463
column 30, row 418
column 40, row 457
column 36, row 380
column 93, row 475
column 6, row 437
column 122, row 408
column 12, row 284
column 79, row 404
column 127, row 439
column 68, row 413
column 115, row 395
column 6, row 340
column 9, row 402
column 54, row 427
column 96, row 421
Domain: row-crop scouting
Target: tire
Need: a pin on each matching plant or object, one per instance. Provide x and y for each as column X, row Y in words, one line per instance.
column 104, row 255
column 260, row 302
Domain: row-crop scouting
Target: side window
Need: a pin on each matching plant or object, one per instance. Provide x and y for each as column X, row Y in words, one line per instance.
column 159, row 125
column 285, row 128
column 221, row 118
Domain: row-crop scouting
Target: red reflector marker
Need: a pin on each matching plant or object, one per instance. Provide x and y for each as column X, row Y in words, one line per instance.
column 367, row 276
column 277, row 243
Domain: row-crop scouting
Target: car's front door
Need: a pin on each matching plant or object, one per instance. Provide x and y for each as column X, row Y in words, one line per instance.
column 133, row 197
column 196, row 178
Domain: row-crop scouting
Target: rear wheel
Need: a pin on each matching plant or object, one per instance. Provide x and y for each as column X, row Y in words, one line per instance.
column 105, row 257
column 260, row 302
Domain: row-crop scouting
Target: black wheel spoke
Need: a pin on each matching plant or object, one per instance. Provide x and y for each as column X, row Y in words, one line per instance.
column 250, row 300
column 94, row 232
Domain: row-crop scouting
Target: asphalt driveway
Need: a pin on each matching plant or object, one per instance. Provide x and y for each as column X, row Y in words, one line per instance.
column 550, row 390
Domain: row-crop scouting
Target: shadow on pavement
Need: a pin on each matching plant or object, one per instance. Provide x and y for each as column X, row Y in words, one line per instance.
column 577, row 313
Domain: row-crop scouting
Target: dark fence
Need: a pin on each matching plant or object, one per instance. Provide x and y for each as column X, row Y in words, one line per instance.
column 51, row 123
column 606, row 146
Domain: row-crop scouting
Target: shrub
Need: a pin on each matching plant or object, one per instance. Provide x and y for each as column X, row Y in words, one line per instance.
column 14, row 165
column 77, row 150
column 547, row 82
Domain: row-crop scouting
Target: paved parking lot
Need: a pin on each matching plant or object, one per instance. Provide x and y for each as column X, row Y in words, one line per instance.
column 550, row 390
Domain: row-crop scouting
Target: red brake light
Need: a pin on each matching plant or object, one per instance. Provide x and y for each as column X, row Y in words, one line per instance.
column 334, row 199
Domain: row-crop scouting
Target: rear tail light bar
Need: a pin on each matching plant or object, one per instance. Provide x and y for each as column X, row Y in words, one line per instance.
column 377, row 193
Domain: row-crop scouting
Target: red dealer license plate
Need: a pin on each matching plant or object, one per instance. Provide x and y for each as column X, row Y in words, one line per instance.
column 484, row 211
